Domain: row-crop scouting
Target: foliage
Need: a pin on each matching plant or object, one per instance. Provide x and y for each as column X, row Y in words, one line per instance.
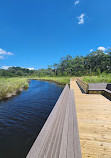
column 12, row 85
column 59, row 80
column 103, row 78
column 16, row 71
column 94, row 63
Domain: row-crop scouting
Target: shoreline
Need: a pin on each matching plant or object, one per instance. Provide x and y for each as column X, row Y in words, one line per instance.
column 14, row 93
column 12, row 86
column 49, row 81
column 57, row 80
column 9, row 95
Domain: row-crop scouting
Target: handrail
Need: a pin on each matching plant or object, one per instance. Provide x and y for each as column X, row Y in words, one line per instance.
column 83, row 85
column 59, row 136
column 39, row 142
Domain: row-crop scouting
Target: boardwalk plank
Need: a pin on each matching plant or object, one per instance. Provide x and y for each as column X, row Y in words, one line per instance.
column 94, row 122
column 76, row 140
column 38, row 144
column 70, row 145
column 63, row 147
column 49, row 144
column 52, row 144
column 59, row 137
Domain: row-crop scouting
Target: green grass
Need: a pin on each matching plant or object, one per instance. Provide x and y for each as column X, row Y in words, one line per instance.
column 14, row 84
column 59, row 80
column 11, row 85
column 103, row 78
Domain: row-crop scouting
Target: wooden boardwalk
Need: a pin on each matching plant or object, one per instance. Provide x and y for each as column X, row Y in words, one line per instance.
column 94, row 122
column 59, row 137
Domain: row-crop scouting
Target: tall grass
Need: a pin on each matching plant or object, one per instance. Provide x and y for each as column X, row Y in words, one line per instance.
column 10, row 86
column 102, row 78
column 59, row 80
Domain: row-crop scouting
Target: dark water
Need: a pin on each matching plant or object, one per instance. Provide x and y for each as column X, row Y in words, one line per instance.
column 23, row 116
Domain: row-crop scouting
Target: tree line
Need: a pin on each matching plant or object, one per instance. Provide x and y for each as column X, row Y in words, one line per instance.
column 92, row 64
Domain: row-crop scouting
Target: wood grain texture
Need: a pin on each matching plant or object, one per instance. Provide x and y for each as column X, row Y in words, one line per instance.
column 59, row 137
column 94, row 122
column 83, row 85
column 38, row 145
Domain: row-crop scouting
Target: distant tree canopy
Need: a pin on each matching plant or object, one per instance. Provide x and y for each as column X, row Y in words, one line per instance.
column 92, row 64
column 16, row 71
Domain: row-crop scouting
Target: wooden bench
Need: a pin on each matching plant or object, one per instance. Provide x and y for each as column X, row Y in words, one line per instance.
column 102, row 88
column 82, row 85
column 107, row 91
column 95, row 88
column 59, row 137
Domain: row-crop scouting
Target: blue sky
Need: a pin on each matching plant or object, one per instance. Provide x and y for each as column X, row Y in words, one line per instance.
column 37, row 33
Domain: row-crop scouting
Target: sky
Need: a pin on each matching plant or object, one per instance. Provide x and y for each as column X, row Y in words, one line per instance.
column 37, row 33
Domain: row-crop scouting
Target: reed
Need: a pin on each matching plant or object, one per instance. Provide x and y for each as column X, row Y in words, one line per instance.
column 10, row 86
column 59, row 80
column 102, row 78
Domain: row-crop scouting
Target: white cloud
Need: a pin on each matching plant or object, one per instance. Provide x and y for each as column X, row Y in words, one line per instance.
column 81, row 19
column 9, row 53
column 2, row 57
column 6, row 67
column 91, row 50
column 3, row 52
column 77, row 2
column 101, row 48
column 31, row 68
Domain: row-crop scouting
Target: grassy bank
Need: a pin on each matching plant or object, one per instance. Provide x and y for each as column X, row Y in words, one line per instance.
column 103, row 78
column 10, row 86
column 59, row 80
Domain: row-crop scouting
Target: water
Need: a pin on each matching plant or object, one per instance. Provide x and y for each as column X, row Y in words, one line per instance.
column 23, row 116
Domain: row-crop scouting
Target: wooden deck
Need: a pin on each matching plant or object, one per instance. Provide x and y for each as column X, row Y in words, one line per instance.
column 59, row 137
column 94, row 122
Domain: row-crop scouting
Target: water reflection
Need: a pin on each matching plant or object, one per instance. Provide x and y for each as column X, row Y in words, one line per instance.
column 22, row 117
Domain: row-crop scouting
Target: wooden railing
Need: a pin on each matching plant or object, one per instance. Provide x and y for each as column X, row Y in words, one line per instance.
column 83, row 85
column 59, row 137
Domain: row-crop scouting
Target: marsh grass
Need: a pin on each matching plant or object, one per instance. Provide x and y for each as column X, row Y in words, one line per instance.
column 10, row 86
column 59, row 80
column 102, row 78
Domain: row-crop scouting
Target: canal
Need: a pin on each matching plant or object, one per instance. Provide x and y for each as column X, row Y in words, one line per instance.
column 23, row 116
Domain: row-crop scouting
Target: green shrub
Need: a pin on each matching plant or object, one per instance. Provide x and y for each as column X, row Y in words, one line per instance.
column 11, row 85
column 102, row 78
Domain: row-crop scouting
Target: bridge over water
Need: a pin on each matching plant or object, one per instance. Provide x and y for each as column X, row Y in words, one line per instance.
column 60, row 137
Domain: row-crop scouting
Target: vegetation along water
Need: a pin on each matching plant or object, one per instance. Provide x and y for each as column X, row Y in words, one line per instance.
column 12, row 86
column 102, row 78
column 22, row 117
column 94, row 63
